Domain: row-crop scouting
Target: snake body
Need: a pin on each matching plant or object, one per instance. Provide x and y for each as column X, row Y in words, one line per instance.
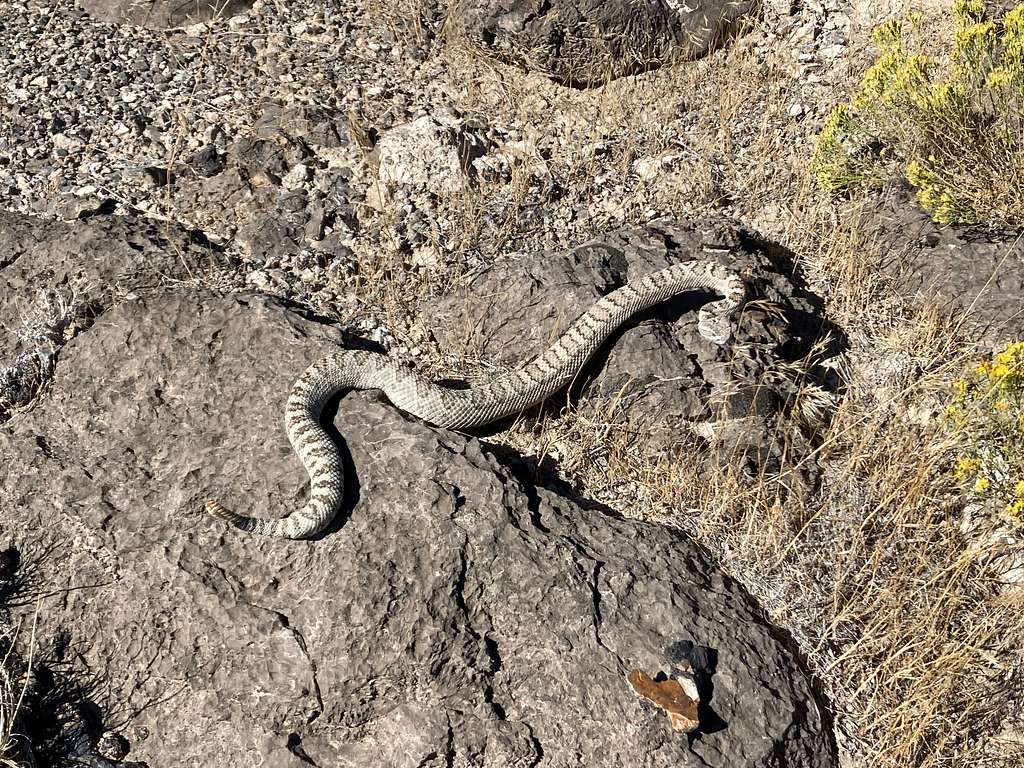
column 508, row 394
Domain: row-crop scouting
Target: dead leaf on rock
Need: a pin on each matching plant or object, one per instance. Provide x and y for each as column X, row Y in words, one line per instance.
column 669, row 695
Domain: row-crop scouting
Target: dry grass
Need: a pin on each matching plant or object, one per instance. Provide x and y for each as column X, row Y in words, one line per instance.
column 698, row 126
column 911, row 631
column 45, row 326
column 13, row 753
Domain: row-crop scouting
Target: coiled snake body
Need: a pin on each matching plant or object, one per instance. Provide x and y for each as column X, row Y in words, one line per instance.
column 508, row 394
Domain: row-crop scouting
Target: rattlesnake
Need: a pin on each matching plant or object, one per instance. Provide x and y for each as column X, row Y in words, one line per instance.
column 511, row 393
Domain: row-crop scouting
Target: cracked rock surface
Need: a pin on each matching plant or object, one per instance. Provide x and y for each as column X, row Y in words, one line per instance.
column 107, row 257
column 56, row 278
column 456, row 615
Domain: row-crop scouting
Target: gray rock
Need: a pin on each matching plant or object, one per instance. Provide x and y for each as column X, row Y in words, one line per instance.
column 269, row 156
column 661, row 369
column 227, row 199
column 162, row 14
column 72, row 206
column 978, row 275
column 55, row 278
column 457, row 615
column 589, row 42
column 207, row 161
column 315, row 125
column 99, row 259
column 278, row 231
column 261, row 190
column 428, row 154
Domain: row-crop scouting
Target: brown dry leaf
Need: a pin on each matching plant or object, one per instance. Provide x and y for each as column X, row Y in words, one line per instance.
column 670, row 696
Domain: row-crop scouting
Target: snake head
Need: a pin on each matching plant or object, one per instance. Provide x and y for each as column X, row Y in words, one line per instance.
column 715, row 328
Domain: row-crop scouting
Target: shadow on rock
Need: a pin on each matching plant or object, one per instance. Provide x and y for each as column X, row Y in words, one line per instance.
column 64, row 713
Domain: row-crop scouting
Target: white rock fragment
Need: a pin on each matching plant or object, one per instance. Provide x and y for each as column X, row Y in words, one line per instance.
column 297, row 176
column 647, row 168
column 425, row 256
column 63, row 141
column 259, row 279
column 424, row 154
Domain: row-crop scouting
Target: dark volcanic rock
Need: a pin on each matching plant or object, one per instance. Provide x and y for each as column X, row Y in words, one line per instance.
column 315, row 125
column 455, row 616
column 56, row 277
column 279, row 230
column 271, row 192
column 161, row 14
column 589, row 42
column 657, row 367
column 207, row 161
column 977, row 274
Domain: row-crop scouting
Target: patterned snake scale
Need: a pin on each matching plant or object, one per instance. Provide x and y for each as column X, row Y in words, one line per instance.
column 508, row 394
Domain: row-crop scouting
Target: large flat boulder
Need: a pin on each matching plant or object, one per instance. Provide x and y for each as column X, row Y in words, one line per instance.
column 589, row 42
column 976, row 274
column 456, row 615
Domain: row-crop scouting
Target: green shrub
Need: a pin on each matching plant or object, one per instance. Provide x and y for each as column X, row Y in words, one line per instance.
column 987, row 420
column 950, row 126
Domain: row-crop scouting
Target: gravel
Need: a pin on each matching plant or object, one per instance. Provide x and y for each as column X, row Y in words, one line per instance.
column 86, row 105
column 185, row 125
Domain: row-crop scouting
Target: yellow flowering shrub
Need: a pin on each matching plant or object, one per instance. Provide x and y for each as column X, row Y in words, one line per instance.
column 951, row 126
column 987, row 419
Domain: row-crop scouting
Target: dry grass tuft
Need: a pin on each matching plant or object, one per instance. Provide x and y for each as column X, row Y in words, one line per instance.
column 678, row 140
column 45, row 326
column 411, row 21
column 910, row 632
column 13, row 747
